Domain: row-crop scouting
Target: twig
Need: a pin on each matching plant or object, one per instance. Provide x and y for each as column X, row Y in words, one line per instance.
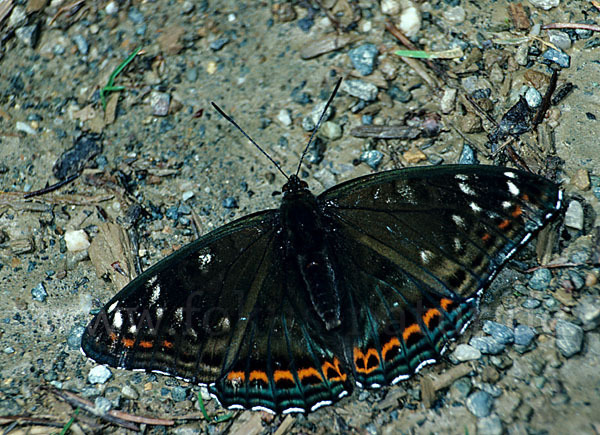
column 77, row 4
column 117, row 417
column 13, row 198
column 25, row 419
column 52, row 187
column 546, row 101
column 561, row 265
column 582, row 26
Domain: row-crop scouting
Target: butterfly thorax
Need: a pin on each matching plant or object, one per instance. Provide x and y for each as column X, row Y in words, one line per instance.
column 307, row 252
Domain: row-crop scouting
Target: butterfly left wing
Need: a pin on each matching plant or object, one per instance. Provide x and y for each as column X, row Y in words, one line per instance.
column 222, row 312
column 414, row 249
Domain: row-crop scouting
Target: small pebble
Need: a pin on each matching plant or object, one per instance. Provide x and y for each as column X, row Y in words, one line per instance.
column 531, row 304
column 574, row 217
column 102, row 405
column 25, row 128
column 467, row 156
column 99, row 375
column 560, row 58
column 524, row 335
column 112, row 8
column 29, row 35
column 159, row 102
column 480, row 404
column 540, row 280
column 218, row 44
column 455, row 15
column 179, row 394
column 545, row 4
column 230, row 202
column 129, row 392
column 81, row 43
column 588, row 312
column 448, row 100
column 410, row 21
column 360, row 89
column 486, row 345
column 501, row 333
column 490, row 425
column 560, row 39
column 39, row 293
column 569, row 338
column 135, row 16
column 372, row 158
column 310, row 121
column 390, row 7
column 331, row 130
column 465, row 352
column 76, row 240
column 9, row 350
column 533, row 97
column 74, row 338
column 461, row 388
column 363, row 58
column 284, row 117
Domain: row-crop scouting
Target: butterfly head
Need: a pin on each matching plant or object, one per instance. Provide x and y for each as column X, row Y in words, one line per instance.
column 294, row 185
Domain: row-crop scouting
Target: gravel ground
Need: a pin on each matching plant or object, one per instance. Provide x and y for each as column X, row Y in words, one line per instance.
column 161, row 163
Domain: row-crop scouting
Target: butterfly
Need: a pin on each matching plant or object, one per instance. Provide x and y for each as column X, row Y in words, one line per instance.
column 287, row 310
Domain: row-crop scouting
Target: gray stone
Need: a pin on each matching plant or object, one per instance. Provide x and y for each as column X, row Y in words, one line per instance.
column 533, row 97
column 129, row 392
column 487, row 345
column 569, row 338
column 560, row 58
column 179, row 394
column 531, row 304
column 360, row 89
column 524, row 335
column 448, row 100
column 560, row 39
column 39, row 293
column 544, row 4
column 465, row 352
column 363, row 58
column 285, row 117
column 372, row 158
column 492, row 390
column 588, row 312
column 501, row 333
column 467, row 156
column 159, row 102
column 99, row 375
column 331, row 130
column 102, row 405
column 81, row 43
column 540, row 280
column 29, row 35
column 480, row 404
column 574, row 215
column 461, row 388
column 74, row 338
column 490, row 425
column 310, row 121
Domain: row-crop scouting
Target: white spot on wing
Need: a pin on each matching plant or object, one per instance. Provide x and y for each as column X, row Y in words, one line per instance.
column 133, row 329
column 204, row 259
column 159, row 313
column 457, row 244
column 461, row 177
column 155, row 293
column 506, row 204
column 320, row 404
column 112, row 307
column 458, row 220
column 118, row 320
column 426, row 256
column 466, row 189
column 512, row 188
column 179, row 315
column 475, row 207
column 510, row 174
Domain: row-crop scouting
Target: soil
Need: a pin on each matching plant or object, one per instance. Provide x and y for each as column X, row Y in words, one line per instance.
column 154, row 168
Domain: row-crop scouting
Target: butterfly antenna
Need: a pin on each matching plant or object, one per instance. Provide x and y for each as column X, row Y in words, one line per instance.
column 228, row 118
column 337, row 86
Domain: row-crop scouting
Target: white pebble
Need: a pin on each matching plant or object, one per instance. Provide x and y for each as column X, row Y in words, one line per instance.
column 112, row 8
column 25, row 128
column 410, row 21
column 284, row 117
column 76, row 240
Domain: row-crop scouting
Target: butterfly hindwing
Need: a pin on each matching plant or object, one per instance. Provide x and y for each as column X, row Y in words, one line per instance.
column 416, row 247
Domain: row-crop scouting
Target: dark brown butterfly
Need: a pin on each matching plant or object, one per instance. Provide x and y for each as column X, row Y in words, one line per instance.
column 286, row 310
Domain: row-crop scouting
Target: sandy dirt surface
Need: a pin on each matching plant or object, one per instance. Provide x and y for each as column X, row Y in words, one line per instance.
column 165, row 167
